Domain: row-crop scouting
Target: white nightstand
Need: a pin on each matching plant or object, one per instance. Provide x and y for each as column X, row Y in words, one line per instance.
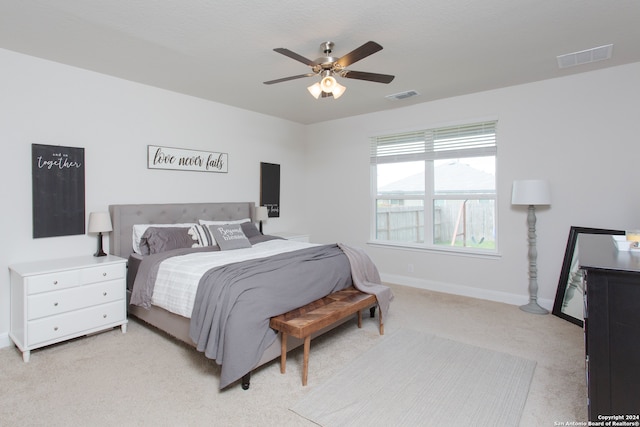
column 292, row 236
column 59, row 299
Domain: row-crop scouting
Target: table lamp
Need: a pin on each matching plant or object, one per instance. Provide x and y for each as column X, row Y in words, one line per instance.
column 99, row 222
column 262, row 213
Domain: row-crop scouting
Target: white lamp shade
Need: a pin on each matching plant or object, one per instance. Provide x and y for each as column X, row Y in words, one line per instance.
column 531, row 192
column 315, row 90
column 99, row 222
column 262, row 213
column 328, row 83
column 338, row 90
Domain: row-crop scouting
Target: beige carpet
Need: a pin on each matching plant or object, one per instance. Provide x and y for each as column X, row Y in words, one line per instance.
column 412, row 378
column 143, row 378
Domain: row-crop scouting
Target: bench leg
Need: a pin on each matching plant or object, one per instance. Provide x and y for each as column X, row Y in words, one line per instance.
column 305, row 360
column 381, row 324
column 283, row 353
column 359, row 319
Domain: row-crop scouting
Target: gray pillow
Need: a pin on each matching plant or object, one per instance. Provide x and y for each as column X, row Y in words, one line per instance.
column 230, row 236
column 161, row 239
column 249, row 229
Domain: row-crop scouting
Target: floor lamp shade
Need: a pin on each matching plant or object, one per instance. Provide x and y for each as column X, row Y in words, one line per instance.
column 532, row 192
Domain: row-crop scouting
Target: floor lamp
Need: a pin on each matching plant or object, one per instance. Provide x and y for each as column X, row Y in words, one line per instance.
column 532, row 192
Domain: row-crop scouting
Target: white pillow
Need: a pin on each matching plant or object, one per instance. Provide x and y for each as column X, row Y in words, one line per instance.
column 139, row 229
column 234, row 221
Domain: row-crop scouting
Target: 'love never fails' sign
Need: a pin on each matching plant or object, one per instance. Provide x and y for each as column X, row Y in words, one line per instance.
column 186, row 160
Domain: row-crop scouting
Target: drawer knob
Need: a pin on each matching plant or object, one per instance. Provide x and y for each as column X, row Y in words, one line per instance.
column 104, row 294
column 55, row 304
column 104, row 316
column 55, row 328
column 104, row 274
column 55, row 282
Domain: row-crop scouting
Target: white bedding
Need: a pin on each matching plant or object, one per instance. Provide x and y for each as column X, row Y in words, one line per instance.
column 178, row 277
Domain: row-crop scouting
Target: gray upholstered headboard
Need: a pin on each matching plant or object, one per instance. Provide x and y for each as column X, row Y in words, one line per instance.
column 123, row 217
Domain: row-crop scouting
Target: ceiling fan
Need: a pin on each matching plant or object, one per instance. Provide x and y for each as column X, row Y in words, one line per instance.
column 327, row 67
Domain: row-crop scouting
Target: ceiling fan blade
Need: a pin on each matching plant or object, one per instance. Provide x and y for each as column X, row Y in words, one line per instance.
column 369, row 48
column 293, row 55
column 285, row 79
column 372, row 77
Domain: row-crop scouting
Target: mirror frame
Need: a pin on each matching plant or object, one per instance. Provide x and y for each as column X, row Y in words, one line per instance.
column 571, row 260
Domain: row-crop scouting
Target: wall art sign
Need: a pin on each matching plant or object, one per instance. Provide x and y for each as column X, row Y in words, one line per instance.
column 270, row 188
column 57, row 176
column 186, row 160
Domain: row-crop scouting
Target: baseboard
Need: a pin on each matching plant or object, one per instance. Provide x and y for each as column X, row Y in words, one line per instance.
column 5, row 341
column 466, row 291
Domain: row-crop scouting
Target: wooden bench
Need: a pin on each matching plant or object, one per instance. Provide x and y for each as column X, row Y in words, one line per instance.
column 304, row 321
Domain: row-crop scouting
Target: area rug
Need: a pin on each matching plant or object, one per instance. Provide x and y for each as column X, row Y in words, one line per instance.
column 412, row 379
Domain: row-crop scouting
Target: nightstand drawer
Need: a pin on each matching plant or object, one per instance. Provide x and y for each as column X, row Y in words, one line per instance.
column 75, row 323
column 52, row 303
column 71, row 278
column 52, row 281
column 102, row 273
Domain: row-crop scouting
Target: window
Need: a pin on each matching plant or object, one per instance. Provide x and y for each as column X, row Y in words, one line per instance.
column 436, row 187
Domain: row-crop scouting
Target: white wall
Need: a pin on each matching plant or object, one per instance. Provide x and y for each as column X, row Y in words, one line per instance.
column 578, row 132
column 114, row 120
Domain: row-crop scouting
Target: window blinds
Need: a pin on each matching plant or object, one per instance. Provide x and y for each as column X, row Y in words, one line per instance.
column 470, row 140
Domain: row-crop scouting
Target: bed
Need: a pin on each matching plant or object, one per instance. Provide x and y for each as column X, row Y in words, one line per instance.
column 235, row 366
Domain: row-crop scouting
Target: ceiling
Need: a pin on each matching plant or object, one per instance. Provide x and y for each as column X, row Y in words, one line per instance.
column 222, row 50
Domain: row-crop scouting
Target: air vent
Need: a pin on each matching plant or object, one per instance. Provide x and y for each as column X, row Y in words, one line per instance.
column 403, row 95
column 585, row 56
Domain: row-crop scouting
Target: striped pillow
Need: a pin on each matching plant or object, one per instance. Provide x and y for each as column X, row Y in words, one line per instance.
column 202, row 235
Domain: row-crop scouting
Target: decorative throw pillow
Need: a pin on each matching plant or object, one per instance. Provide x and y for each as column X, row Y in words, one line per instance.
column 160, row 239
column 139, row 229
column 230, row 236
column 250, row 230
column 202, row 236
column 225, row 222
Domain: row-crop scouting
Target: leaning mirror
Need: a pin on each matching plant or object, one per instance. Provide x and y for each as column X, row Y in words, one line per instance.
column 569, row 302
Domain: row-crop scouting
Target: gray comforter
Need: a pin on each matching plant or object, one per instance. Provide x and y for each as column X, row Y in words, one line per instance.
column 234, row 303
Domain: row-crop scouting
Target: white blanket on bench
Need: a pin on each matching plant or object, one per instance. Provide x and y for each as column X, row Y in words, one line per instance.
column 366, row 277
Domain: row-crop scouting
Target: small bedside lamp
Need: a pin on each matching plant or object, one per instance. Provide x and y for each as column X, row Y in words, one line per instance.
column 99, row 222
column 262, row 213
column 532, row 192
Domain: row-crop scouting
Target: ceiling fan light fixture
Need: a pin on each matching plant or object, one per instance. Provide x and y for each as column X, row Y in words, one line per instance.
column 315, row 90
column 327, row 67
column 338, row 90
column 328, row 83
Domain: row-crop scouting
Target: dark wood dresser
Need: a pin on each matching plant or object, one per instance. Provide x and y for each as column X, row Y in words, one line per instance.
column 611, row 327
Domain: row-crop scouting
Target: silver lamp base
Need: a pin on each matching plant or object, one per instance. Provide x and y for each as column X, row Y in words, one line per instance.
column 534, row 308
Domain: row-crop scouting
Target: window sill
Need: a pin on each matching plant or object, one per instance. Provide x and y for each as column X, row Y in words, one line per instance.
column 474, row 253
